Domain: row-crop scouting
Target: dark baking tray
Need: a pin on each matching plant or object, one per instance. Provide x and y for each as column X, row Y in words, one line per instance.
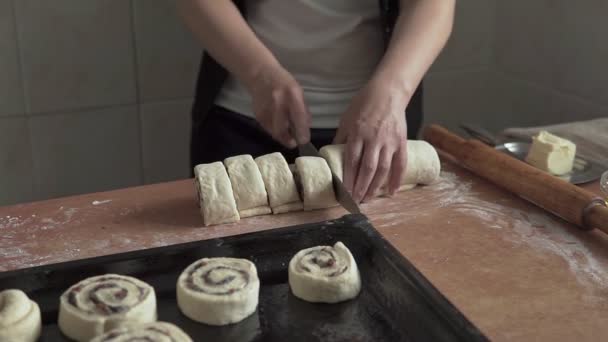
column 396, row 302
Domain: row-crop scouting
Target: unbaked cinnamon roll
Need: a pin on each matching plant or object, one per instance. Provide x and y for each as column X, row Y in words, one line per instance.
column 218, row 291
column 102, row 303
column 324, row 274
column 150, row 332
column 19, row 317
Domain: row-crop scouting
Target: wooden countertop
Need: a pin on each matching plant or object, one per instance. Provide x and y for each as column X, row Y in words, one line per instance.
column 517, row 272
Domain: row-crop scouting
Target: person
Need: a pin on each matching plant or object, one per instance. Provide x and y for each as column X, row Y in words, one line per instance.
column 279, row 73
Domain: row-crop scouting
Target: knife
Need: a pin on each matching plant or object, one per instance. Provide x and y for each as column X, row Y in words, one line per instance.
column 342, row 195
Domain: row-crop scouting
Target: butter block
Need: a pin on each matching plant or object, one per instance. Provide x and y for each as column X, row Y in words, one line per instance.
column 551, row 153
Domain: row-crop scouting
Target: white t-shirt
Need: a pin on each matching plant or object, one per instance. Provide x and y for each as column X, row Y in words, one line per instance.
column 331, row 47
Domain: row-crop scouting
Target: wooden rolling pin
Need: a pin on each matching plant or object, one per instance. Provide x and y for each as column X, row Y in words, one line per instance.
column 574, row 204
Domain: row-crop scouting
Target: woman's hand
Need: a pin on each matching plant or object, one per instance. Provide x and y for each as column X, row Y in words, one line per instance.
column 278, row 104
column 375, row 133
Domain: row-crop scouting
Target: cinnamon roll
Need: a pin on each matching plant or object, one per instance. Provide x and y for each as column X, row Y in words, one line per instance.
column 19, row 317
column 218, row 291
column 150, row 332
column 278, row 179
column 102, row 303
column 324, row 274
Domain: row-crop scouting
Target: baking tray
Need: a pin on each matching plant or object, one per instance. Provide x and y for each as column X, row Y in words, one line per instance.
column 396, row 302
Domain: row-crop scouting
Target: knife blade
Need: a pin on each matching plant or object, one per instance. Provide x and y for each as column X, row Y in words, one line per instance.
column 342, row 195
column 308, row 150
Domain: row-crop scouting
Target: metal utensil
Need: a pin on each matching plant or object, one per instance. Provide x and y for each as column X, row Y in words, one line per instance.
column 583, row 171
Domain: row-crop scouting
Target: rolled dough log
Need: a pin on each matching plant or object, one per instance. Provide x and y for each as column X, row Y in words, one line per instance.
column 218, row 291
column 216, row 199
column 324, row 274
column 150, row 332
column 423, row 166
column 316, row 181
column 19, row 317
column 282, row 192
column 247, row 186
column 99, row 304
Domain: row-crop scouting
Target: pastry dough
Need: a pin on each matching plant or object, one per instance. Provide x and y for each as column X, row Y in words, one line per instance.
column 151, row 332
column 324, row 274
column 423, row 165
column 99, row 304
column 247, row 186
column 218, row 291
column 282, row 192
column 216, row 199
column 19, row 317
column 316, row 181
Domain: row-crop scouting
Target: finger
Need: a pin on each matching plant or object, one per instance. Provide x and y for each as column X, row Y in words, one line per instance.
column 280, row 132
column 300, row 117
column 367, row 170
column 397, row 171
column 382, row 170
column 352, row 155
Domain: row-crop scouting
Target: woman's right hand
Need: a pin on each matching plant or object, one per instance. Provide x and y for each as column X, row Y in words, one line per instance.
column 278, row 105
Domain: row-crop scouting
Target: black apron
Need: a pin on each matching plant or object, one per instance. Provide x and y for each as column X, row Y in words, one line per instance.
column 218, row 133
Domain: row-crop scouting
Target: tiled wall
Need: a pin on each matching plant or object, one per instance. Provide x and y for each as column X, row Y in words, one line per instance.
column 456, row 86
column 521, row 63
column 551, row 59
column 94, row 95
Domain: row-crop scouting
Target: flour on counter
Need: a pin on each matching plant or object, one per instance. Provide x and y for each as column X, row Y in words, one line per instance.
column 100, row 202
column 534, row 228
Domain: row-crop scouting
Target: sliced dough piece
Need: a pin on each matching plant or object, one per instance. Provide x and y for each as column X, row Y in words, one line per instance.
column 218, row 291
column 247, row 185
column 282, row 191
column 99, row 304
column 324, row 274
column 151, row 332
column 20, row 318
column 317, row 185
column 216, row 199
column 423, row 165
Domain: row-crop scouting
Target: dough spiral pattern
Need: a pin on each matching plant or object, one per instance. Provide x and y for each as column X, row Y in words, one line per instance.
column 216, row 279
column 99, row 304
column 322, row 261
column 151, row 332
column 324, row 274
column 218, row 291
column 19, row 317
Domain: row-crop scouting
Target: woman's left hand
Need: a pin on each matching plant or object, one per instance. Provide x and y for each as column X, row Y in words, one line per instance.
column 374, row 130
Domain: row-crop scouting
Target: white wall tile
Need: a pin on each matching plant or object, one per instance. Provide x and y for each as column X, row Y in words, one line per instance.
column 452, row 98
column 168, row 56
column 471, row 43
column 15, row 161
column 86, row 151
column 11, row 90
column 497, row 101
column 76, row 53
column 559, row 44
column 166, row 140
column 528, row 104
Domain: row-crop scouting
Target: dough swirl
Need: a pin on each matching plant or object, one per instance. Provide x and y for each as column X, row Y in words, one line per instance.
column 218, row 291
column 324, row 274
column 19, row 317
column 99, row 304
column 150, row 332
